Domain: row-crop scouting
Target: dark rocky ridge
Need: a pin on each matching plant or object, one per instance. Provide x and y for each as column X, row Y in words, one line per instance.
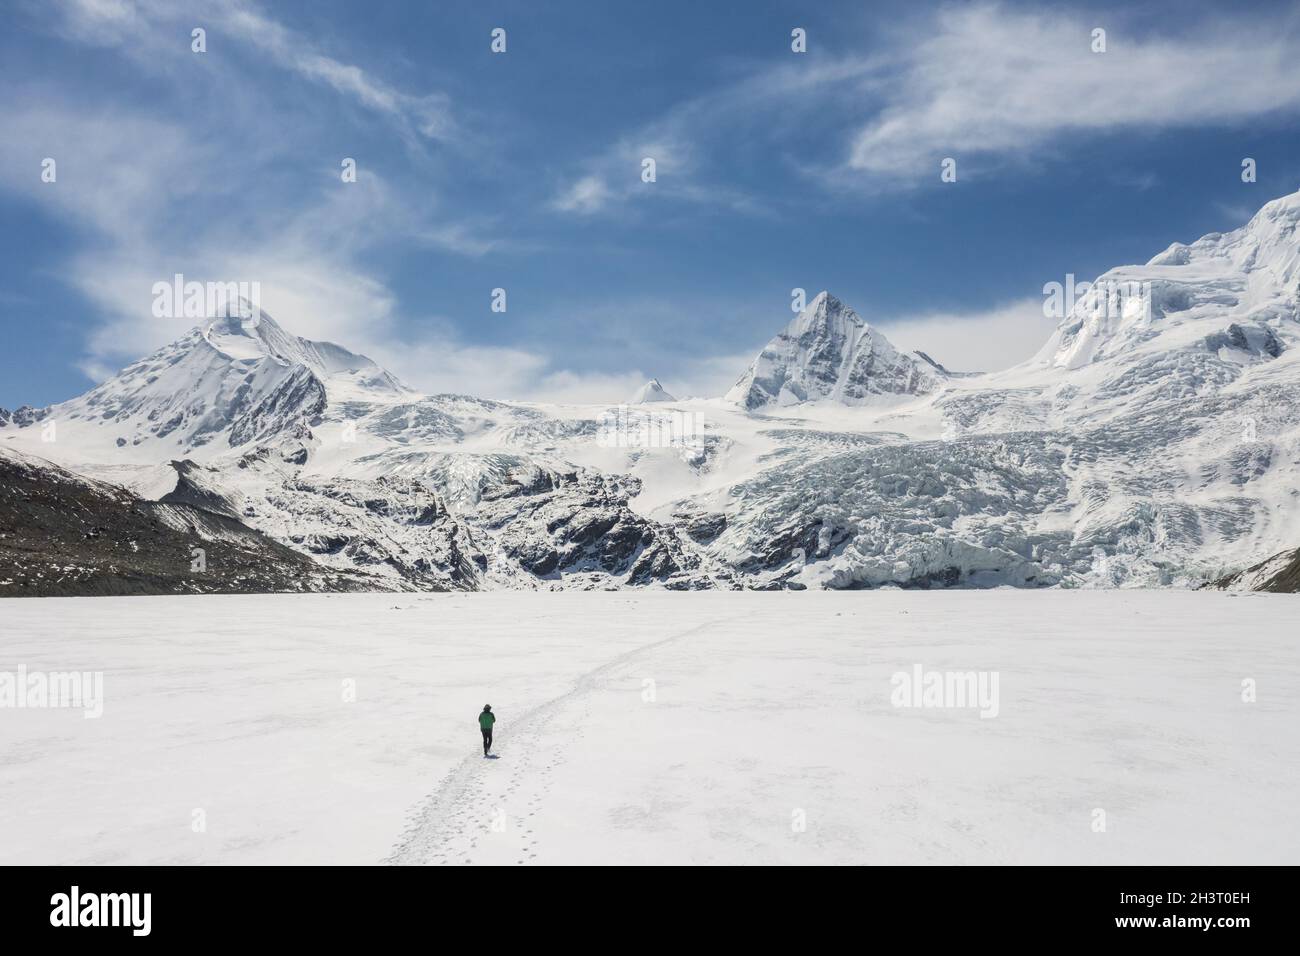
column 1284, row 580
column 64, row 535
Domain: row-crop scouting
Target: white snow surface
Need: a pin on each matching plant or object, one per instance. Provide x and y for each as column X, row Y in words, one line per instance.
column 766, row 709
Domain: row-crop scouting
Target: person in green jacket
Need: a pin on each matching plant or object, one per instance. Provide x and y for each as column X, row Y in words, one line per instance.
column 485, row 722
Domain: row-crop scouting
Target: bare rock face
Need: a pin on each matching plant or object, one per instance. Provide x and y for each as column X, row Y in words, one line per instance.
column 580, row 522
column 23, row 416
column 828, row 353
column 1279, row 574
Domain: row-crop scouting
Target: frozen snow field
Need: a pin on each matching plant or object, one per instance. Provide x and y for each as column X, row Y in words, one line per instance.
column 655, row 727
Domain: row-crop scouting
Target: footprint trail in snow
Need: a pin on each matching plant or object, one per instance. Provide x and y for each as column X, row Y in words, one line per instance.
column 484, row 811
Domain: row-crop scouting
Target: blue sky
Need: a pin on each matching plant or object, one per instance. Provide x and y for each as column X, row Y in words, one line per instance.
column 521, row 170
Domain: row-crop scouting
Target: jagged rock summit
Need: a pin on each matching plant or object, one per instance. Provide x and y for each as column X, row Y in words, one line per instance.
column 828, row 353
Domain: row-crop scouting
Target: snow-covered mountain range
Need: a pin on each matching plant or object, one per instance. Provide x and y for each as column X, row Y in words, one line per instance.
column 1154, row 440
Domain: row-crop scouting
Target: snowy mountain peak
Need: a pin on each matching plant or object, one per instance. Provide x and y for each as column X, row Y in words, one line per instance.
column 256, row 336
column 233, row 379
column 828, row 352
column 1208, row 307
column 246, row 338
column 651, row 391
column 1267, row 242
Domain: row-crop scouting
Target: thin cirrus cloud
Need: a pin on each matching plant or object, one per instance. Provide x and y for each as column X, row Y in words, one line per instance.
column 155, row 34
column 617, row 175
column 148, row 31
column 588, row 194
column 691, row 140
column 989, row 82
column 428, row 115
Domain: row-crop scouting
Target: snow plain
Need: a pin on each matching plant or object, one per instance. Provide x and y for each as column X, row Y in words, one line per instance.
column 765, row 711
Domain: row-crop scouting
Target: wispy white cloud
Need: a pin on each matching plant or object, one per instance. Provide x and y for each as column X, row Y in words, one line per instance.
column 441, row 362
column 152, row 191
column 708, row 376
column 986, row 340
column 428, row 115
column 588, row 194
column 692, row 142
column 616, row 176
column 615, row 358
column 97, row 22
column 994, row 81
column 985, row 83
column 156, row 34
column 1236, row 213
column 150, row 194
column 155, row 187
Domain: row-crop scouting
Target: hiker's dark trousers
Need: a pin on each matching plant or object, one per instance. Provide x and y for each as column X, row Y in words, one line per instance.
column 487, row 739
